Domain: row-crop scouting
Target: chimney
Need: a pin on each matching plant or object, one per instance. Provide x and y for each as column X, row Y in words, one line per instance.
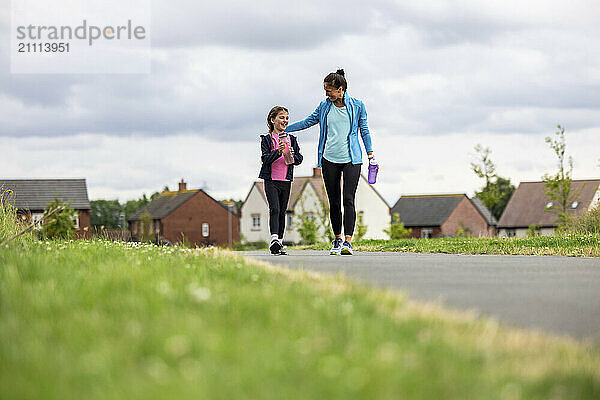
column 182, row 185
column 317, row 172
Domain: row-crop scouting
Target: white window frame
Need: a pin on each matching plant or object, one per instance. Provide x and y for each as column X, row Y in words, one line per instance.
column 426, row 233
column 36, row 217
column 205, row 229
column 76, row 220
column 255, row 221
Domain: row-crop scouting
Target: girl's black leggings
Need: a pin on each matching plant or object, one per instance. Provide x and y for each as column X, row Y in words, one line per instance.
column 278, row 194
column 332, row 175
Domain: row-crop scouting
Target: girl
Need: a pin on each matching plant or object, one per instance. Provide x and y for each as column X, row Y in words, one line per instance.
column 340, row 118
column 277, row 174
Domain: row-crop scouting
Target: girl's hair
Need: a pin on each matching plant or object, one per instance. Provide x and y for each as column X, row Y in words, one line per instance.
column 272, row 114
column 337, row 79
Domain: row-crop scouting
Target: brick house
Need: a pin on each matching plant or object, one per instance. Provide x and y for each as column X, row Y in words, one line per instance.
column 31, row 197
column 189, row 215
column 530, row 206
column 431, row 216
column 305, row 197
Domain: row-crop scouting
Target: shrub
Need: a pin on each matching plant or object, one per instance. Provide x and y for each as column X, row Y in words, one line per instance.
column 533, row 230
column 147, row 234
column 586, row 223
column 397, row 229
column 361, row 228
column 307, row 228
column 61, row 224
column 260, row 245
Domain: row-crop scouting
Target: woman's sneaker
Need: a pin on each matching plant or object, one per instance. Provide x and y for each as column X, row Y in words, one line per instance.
column 346, row 249
column 275, row 247
column 283, row 252
column 337, row 247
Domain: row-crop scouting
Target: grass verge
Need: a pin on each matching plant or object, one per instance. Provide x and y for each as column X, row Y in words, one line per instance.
column 97, row 320
column 567, row 245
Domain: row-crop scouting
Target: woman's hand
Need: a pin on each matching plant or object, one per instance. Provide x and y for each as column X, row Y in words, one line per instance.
column 281, row 147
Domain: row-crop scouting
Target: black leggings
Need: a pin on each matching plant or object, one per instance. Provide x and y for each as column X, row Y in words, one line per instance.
column 332, row 175
column 278, row 194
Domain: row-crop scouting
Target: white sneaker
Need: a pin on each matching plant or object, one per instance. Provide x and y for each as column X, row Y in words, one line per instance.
column 275, row 247
column 346, row 249
column 337, row 247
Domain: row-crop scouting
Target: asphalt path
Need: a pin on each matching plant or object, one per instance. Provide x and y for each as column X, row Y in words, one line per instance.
column 559, row 295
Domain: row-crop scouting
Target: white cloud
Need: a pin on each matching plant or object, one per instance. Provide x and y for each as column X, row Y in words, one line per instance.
column 436, row 78
column 125, row 167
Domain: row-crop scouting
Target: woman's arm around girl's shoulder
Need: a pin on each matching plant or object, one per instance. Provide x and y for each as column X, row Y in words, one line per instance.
column 309, row 121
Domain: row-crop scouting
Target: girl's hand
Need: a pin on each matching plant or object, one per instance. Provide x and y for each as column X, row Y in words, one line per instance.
column 281, row 147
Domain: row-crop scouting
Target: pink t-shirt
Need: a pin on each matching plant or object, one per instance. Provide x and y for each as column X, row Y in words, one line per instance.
column 279, row 167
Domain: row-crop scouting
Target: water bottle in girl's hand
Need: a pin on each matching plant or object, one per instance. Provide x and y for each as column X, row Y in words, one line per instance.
column 287, row 154
column 373, row 168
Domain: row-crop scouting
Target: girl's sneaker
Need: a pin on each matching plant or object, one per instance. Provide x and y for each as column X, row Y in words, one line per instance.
column 346, row 249
column 337, row 247
column 275, row 247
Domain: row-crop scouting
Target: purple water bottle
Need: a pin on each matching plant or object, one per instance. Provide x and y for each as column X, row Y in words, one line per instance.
column 373, row 168
column 287, row 154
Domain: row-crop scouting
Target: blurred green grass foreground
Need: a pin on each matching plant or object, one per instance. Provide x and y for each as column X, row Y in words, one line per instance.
column 104, row 320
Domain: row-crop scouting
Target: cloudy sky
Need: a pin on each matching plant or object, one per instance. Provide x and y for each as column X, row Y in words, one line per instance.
column 437, row 78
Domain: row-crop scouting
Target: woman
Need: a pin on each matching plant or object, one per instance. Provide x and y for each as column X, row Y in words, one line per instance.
column 277, row 174
column 339, row 154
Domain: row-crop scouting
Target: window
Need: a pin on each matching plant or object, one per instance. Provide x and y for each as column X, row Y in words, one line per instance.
column 205, row 229
column 574, row 204
column 76, row 220
column 255, row 221
column 36, row 219
column 511, row 232
column 426, row 233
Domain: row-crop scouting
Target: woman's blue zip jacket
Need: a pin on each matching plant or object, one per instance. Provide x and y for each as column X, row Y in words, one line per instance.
column 358, row 121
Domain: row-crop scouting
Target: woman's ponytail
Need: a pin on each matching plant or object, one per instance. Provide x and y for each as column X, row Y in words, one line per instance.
column 337, row 79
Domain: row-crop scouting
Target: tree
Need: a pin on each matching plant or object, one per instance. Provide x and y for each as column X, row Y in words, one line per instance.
column 497, row 190
column 500, row 191
column 132, row 206
column 61, row 224
column 156, row 194
column 107, row 213
column 361, row 228
column 397, row 229
column 484, row 167
column 559, row 187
